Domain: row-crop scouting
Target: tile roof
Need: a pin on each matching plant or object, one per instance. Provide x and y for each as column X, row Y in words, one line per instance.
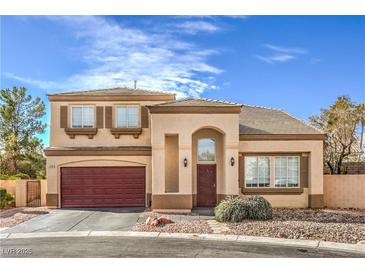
column 113, row 91
column 197, row 102
column 261, row 120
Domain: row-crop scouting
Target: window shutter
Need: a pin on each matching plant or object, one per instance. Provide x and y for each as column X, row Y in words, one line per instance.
column 63, row 116
column 99, row 117
column 108, row 117
column 304, row 171
column 144, row 117
column 241, row 167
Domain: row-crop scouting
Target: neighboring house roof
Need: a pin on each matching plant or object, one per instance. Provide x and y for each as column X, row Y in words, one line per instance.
column 112, row 93
column 256, row 120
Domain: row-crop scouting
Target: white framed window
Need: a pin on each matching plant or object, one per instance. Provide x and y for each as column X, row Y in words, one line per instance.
column 206, row 150
column 287, row 171
column 257, row 171
column 82, row 116
column 127, row 116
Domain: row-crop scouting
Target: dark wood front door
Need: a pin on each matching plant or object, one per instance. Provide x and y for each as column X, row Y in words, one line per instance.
column 207, row 189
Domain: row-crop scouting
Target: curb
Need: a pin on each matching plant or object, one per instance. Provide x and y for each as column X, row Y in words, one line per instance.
column 313, row 244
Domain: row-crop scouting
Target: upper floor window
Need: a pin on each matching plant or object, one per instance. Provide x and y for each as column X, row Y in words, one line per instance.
column 127, row 116
column 82, row 117
column 206, row 150
column 287, row 171
column 257, row 171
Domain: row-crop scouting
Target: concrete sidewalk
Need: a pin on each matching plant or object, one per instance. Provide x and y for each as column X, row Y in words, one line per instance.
column 311, row 244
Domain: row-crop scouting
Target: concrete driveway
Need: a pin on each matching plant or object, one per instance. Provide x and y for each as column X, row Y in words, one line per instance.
column 59, row 220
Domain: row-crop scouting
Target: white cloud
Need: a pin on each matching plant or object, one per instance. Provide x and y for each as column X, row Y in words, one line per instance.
column 276, row 58
column 279, row 54
column 194, row 27
column 286, row 50
column 115, row 55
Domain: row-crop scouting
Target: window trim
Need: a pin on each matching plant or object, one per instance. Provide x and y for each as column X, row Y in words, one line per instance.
column 197, row 151
column 258, row 183
column 82, row 122
column 273, row 190
column 287, row 171
column 115, row 122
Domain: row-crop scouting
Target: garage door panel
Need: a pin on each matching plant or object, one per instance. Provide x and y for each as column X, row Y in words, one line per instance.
column 101, row 191
column 102, row 186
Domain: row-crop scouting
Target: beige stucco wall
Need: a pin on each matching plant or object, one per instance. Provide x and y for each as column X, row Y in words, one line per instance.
column 54, row 164
column 344, row 191
column 18, row 188
column 58, row 137
column 315, row 166
column 287, row 201
column 185, row 125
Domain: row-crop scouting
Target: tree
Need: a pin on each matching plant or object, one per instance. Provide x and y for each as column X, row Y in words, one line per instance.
column 340, row 122
column 20, row 121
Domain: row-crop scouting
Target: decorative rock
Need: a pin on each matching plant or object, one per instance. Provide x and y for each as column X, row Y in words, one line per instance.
column 164, row 220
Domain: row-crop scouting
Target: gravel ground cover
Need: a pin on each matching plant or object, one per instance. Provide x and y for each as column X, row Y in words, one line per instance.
column 326, row 225
column 14, row 216
column 345, row 226
column 181, row 227
column 193, row 225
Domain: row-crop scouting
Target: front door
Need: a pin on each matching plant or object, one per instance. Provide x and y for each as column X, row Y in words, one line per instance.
column 207, row 189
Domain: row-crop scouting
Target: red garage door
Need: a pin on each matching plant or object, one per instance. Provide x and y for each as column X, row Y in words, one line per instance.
column 102, row 186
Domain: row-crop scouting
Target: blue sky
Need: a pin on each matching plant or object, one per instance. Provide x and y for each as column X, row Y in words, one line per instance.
column 296, row 63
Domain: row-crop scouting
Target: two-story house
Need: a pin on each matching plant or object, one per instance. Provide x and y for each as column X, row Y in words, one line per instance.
column 132, row 147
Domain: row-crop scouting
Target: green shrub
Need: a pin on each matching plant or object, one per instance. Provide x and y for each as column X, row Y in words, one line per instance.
column 5, row 198
column 259, row 208
column 18, row 176
column 236, row 209
column 231, row 209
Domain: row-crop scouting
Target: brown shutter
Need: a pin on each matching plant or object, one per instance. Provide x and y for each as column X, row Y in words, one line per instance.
column 304, row 171
column 144, row 117
column 99, row 117
column 63, row 115
column 241, row 167
column 108, row 117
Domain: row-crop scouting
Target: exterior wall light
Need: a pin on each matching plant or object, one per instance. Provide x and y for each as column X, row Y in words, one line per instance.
column 185, row 162
column 232, row 161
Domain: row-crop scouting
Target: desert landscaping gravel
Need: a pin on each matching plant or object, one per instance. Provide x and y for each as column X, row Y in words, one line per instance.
column 345, row 226
column 14, row 216
column 177, row 227
column 326, row 225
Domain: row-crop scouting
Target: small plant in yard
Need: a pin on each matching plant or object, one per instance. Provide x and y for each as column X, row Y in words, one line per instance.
column 236, row 209
column 231, row 209
column 259, row 208
column 5, row 198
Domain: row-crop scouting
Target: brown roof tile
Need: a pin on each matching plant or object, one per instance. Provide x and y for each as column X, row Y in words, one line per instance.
column 260, row 120
column 197, row 102
column 112, row 91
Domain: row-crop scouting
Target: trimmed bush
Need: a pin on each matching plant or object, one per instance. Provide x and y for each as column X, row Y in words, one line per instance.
column 259, row 208
column 236, row 209
column 5, row 198
column 231, row 209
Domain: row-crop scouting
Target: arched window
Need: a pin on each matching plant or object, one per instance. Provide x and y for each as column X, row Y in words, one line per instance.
column 206, row 150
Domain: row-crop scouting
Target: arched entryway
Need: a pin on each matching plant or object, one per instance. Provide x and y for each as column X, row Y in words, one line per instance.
column 207, row 166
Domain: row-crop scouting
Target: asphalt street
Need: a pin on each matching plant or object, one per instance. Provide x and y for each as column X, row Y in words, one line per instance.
column 126, row 247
